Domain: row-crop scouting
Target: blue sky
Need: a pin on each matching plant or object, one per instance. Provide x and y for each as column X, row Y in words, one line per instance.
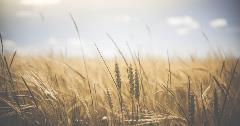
column 151, row 27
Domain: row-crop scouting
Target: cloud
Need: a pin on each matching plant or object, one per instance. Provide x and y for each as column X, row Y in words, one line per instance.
column 218, row 23
column 183, row 24
column 39, row 2
column 185, row 21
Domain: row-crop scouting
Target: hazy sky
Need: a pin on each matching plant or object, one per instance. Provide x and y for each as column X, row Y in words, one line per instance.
column 148, row 26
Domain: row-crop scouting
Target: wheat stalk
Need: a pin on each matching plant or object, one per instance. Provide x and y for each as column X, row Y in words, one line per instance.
column 110, row 103
column 119, row 87
column 216, row 107
column 137, row 93
column 191, row 105
column 131, row 87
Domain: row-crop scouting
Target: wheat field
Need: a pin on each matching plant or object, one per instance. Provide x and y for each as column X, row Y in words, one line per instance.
column 54, row 90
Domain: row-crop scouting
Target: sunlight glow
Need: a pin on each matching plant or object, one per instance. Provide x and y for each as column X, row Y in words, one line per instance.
column 39, row 2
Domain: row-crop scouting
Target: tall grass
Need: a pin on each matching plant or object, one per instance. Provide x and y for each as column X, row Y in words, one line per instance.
column 50, row 91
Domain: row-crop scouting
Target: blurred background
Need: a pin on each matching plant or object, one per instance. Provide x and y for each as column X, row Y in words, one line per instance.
column 150, row 27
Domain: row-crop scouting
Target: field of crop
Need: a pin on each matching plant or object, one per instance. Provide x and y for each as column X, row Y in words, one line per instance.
column 58, row 91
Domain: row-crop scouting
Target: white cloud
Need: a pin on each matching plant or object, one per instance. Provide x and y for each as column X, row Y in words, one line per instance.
column 183, row 24
column 218, row 23
column 39, row 2
column 186, row 21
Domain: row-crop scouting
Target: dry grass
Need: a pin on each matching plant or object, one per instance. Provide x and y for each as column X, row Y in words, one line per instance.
column 51, row 91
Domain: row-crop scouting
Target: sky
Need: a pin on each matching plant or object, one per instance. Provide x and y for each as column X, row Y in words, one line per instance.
column 148, row 27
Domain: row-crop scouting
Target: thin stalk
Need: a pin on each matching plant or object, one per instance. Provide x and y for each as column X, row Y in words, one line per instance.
column 83, row 56
column 228, row 89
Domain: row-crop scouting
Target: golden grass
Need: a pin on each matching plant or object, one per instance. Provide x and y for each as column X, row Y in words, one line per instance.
column 51, row 91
